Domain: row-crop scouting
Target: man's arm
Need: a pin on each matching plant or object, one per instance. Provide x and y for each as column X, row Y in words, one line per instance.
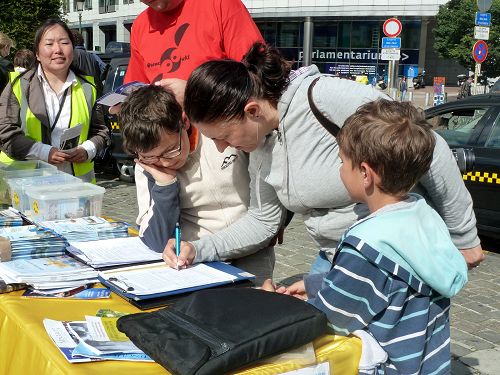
column 135, row 69
column 239, row 31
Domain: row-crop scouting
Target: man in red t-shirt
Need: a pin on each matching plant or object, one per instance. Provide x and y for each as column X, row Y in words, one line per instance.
column 173, row 37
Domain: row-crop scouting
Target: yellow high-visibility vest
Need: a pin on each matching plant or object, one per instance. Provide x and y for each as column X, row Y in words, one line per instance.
column 82, row 102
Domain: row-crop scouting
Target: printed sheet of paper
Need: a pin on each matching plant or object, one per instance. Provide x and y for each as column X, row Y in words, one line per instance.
column 70, row 137
column 149, row 279
column 113, row 251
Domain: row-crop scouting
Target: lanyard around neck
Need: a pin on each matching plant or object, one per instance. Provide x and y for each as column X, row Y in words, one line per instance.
column 61, row 105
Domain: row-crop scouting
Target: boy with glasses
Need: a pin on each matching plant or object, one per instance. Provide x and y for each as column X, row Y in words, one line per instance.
column 180, row 174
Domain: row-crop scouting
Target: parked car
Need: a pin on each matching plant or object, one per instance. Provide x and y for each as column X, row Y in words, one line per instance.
column 473, row 125
column 122, row 161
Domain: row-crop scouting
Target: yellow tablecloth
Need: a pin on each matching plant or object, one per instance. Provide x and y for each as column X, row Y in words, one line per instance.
column 26, row 348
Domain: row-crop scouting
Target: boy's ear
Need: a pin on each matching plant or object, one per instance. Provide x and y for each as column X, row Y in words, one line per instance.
column 185, row 120
column 252, row 109
column 368, row 175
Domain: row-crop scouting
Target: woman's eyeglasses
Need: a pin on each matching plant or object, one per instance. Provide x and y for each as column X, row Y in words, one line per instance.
column 165, row 156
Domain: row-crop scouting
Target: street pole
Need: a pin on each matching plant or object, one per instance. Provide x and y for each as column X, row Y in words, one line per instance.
column 80, row 22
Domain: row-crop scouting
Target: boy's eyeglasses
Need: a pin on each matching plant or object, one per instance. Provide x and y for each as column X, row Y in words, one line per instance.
column 169, row 155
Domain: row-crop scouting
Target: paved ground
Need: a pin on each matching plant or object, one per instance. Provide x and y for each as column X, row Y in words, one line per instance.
column 475, row 314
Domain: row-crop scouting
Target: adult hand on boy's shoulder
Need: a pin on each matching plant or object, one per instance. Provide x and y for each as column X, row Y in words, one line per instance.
column 473, row 256
column 176, row 85
column 162, row 175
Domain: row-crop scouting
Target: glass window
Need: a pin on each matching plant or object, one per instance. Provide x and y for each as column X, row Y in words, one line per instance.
column 88, row 4
column 268, row 31
column 494, row 138
column 289, row 34
column 456, row 127
column 410, row 35
column 344, row 34
column 365, row 34
column 325, row 34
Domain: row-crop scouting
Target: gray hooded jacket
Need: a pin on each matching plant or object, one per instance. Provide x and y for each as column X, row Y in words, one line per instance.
column 297, row 167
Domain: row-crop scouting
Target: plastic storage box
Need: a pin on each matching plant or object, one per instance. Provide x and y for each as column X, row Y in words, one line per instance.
column 18, row 186
column 65, row 201
column 18, row 169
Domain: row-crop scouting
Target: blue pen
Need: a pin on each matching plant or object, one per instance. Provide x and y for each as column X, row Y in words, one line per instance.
column 177, row 242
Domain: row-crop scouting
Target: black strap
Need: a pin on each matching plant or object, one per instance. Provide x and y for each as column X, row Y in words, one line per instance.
column 60, row 109
column 329, row 125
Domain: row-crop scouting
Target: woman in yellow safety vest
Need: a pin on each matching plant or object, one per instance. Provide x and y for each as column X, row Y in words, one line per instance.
column 38, row 106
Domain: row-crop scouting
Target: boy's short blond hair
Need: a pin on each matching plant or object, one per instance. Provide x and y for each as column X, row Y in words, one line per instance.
column 393, row 138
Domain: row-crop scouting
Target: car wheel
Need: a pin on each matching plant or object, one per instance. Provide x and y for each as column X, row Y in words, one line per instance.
column 126, row 170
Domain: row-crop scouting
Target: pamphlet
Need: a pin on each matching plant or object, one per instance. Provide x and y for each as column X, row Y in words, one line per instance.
column 70, row 138
column 95, row 338
column 119, row 95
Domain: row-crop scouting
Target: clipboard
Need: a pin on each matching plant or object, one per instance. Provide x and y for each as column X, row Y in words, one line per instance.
column 149, row 301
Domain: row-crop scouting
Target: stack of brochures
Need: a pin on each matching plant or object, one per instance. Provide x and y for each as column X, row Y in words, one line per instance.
column 94, row 339
column 89, row 228
column 48, row 273
column 31, row 241
column 9, row 218
column 113, row 252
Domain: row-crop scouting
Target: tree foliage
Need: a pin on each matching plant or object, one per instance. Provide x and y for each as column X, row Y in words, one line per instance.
column 20, row 19
column 454, row 34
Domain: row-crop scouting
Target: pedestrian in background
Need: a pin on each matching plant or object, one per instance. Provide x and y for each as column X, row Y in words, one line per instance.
column 24, row 59
column 87, row 62
column 403, row 87
column 5, row 65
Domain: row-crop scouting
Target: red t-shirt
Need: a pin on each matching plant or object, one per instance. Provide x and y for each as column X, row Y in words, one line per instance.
column 173, row 44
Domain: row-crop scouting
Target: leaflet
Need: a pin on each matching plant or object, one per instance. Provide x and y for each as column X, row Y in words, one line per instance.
column 112, row 252
column 70, row 138
column 120, row 94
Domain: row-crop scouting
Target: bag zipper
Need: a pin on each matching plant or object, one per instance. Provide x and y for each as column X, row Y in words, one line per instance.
column 217, row 345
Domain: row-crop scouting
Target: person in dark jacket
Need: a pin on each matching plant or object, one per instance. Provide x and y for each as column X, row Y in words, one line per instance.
column 5, row 65
column 87, row 62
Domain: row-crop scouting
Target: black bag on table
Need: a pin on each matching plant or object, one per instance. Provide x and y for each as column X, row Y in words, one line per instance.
column 216, row 331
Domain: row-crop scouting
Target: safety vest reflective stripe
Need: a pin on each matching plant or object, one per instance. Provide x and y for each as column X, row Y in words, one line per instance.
column 83, row 98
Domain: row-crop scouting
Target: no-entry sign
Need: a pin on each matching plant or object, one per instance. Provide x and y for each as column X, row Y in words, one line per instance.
column 392, row 27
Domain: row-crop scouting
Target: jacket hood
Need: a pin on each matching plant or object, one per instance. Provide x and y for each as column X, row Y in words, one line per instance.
column 413, row 235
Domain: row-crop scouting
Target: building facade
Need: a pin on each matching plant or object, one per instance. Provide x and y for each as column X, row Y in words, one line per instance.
column 339, row 36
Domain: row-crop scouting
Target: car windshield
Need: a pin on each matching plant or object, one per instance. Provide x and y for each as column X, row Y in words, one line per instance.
column 456, row 127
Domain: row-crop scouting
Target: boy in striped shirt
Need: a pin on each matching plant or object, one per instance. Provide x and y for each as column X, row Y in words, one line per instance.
column 394, row 271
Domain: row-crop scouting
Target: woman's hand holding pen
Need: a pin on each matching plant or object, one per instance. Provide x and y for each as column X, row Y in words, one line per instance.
column 186, row 256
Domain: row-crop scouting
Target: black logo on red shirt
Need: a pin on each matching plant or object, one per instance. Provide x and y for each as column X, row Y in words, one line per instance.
column 170, row 60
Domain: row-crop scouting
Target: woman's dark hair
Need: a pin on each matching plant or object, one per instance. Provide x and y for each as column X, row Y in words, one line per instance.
column 38, row 38
column 220, row 89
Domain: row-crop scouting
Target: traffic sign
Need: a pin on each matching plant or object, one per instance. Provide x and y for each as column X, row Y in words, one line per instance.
column 480, row 51
column 483, row 19
column 392, row 27
column 390, row 54
column 484, row 5
column 391, row 42
column 481, row 32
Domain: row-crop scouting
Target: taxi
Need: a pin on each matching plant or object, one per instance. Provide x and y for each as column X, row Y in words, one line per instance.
column 471, row 127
